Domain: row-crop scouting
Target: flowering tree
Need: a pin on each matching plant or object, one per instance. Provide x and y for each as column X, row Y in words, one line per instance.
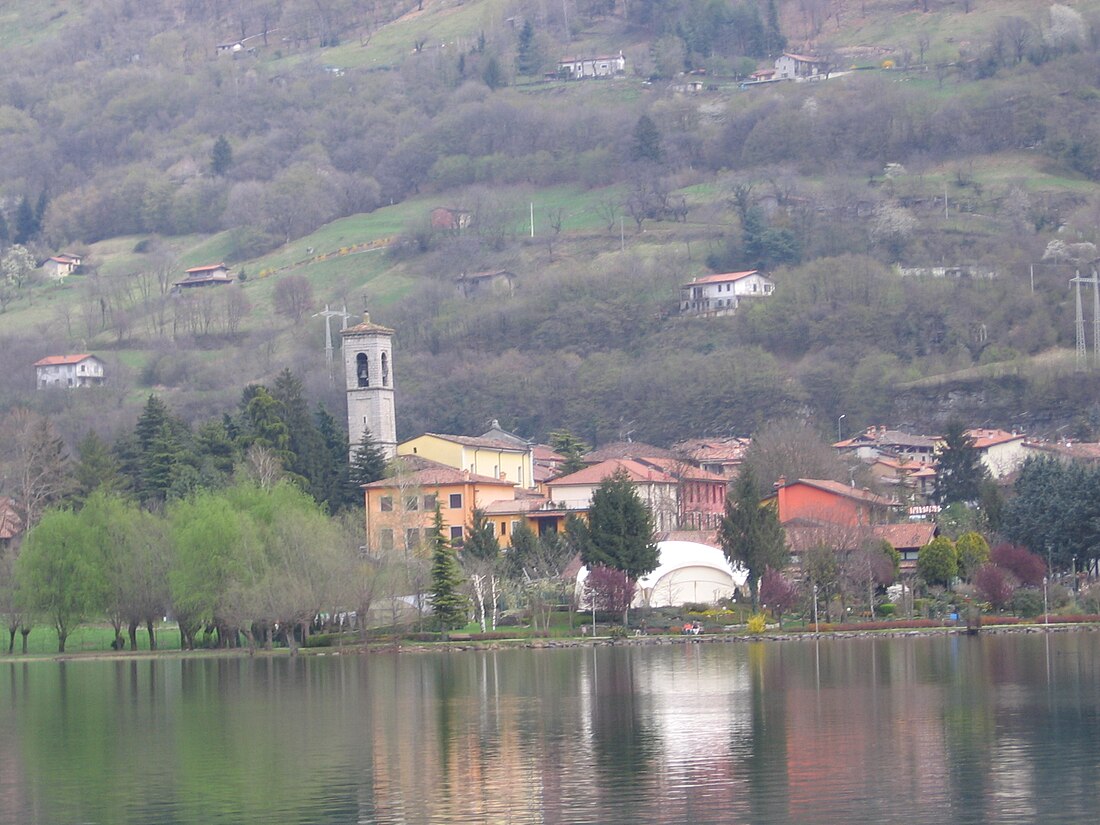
column 777, row 592
column 609, row 589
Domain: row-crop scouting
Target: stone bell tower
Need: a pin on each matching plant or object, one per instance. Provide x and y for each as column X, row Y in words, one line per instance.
column 368, row 376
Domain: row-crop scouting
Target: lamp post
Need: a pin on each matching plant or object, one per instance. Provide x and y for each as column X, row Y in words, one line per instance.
column 815, row 609
column 839, row 436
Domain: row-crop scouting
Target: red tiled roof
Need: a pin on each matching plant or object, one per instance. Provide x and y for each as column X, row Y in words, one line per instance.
column 543, row 452
column 57, row 360
column 841, row 489
column 678, row 469
column 636, row 471
column 984, row 439
column 627, row 449
column 423, row 472
column 727, row 277
column 731, row 449
column 906, row 536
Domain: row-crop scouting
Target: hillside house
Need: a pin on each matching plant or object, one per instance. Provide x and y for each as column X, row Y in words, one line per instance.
column 578, row 68
column 496, row 282
column 720, row 294
column 721, row 456
column 1003, row 453
column 914, row 478
column 450, row 220
column 880, row 442
column 800, row 67
column 61, row 265
column 400, row 510
column 81, row 370
column 497, row 458
column 209, row 275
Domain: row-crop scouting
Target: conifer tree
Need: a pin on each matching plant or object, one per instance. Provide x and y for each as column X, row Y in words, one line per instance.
column 480, row 543
column 335, row 486
column 97, row 468
column 307, row 457
column 750, row 533
column 960, row 471
column 448, row 604
column 369, row 462
column 564, row 442
column 221, row 156
column 26, row 226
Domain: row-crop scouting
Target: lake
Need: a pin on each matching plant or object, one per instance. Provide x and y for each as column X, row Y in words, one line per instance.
column 991, row 729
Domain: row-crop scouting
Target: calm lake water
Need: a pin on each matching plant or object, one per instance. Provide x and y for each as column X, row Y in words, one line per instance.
column 996, row 729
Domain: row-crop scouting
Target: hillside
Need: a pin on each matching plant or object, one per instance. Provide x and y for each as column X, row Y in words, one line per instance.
column 948, row 134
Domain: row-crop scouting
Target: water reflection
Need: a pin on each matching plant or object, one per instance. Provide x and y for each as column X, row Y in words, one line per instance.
column 925, row 730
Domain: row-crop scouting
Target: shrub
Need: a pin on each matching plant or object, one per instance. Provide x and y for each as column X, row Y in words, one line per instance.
column 757, row 623
column 994, row 585
column 1027, row 603
column 886, row 609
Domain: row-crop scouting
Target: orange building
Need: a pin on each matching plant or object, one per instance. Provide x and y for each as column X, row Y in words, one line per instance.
column 818, row 500
column 401, row 509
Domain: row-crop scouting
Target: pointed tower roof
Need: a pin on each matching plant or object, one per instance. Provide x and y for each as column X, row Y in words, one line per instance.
column 366, row 326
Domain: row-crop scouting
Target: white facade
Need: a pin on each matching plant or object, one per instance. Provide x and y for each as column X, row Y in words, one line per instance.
column 721, row 294
column 69, row 371
column 799, row 67
column 581, row 67
column 368, row 376
column 659, row 496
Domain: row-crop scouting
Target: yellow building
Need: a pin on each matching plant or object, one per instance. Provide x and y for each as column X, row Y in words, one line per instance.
column 541, row 515
column 495, row 458
column 401, row 509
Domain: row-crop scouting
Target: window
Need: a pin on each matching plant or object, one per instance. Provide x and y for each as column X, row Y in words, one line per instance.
column 430, row 501
column 456, row 536
column 385, row 504
column 385, row 539
column 385, row 370
column 412, row 503
column 504, row 528
column 412, row 538
column 515, row 526
column 455, row 502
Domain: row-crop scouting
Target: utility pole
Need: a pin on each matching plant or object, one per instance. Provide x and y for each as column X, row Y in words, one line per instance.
column 328, row 314
column 1079, row 320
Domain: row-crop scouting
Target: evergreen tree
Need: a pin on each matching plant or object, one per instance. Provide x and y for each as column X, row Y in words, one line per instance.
column 775, row 42
column 335, row 485
column 568, row 445
column 369, row 463
column 96, row 469
column 262, row 424
column 481, row 542
column 750, row 533
column 527, row 57
column 448, row 604
column 215, row 453
column 221, row 156
column 307, row 456
column 960, row 471
column 493, row 75
column 5, row 232
column 26, row 226
column 646, row 145
column 40, row 210
column 619, row 533
column 162, row 464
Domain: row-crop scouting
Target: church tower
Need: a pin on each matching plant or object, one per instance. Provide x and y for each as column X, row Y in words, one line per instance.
column 368, row 376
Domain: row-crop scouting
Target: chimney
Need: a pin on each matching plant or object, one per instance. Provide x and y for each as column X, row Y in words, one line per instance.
column 781, row 482
column 366, row 317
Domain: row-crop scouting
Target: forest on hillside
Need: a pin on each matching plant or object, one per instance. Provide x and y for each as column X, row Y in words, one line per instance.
column 125, row 131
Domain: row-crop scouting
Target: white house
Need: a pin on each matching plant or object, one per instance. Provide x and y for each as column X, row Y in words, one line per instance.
column 800, row 67
column 720, row 294
column 1002, row 452
column 576, row 68
column 60, row 265
column 69, row 371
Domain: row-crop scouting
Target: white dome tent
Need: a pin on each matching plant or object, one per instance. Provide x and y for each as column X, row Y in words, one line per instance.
column 686, row 572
